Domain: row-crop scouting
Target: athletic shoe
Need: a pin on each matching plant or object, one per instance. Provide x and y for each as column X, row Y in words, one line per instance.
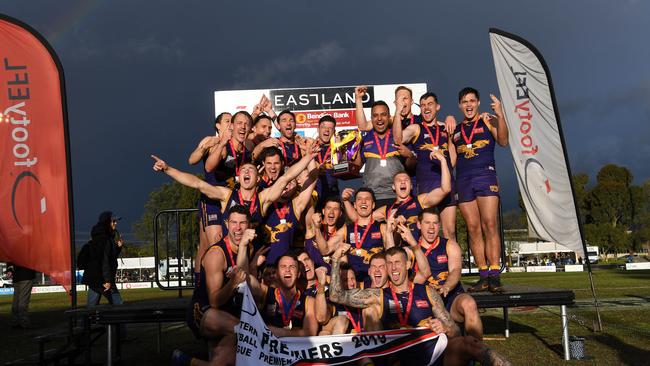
column 494, row 284
column 180, row 358
column 480, row 286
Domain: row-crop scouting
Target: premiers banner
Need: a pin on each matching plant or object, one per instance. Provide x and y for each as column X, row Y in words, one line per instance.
column 256, row 344
column 310, row 104
column 34, row 194
column 536, row 140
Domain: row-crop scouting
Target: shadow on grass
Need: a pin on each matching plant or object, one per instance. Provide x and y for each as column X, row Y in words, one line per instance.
column 492, row 323
column 627, row 353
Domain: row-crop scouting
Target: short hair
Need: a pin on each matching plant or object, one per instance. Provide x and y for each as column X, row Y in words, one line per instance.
column 380, row 255
column 286, row 111
column 380, row 103
column 327, row 118
column 334, row 199
column 269, row 151
column 430, row 210
column 242, row 210
column 290, row 255
column 429, row 95
column 400, row 172
column 365, row 189
column 402, row 87
column 261, row 117
column 468, row 90
column 217, row 121
column 397, row 250
column 245, row 114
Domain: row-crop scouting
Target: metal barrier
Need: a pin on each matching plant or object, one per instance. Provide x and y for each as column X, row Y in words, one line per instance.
column 167, row 226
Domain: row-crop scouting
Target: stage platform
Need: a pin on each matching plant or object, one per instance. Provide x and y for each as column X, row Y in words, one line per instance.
column 174, row 310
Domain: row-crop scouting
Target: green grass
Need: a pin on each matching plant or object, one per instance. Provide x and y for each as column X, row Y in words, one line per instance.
column 534, row 340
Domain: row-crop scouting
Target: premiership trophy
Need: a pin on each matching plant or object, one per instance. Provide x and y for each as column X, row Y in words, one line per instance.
column 344, row 151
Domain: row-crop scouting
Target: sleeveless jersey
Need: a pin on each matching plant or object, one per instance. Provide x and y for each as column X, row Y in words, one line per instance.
column 355, row 315
column 327, row 183
column 264, row 183
column 438, row 262
column 411, row 120
column 410, row 209
column 375, row 150
column 279, row 227
column 254, row 207
column 419, row 313
column 226, row 172
column 204, row 200
column 428, row 173
column 363, row 247
column 475, row 146
column 280, row 314
column 290, row 152
column 315, row 255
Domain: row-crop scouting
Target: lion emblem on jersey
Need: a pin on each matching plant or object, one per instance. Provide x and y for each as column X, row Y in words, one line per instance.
column 272, row 233
column 470, row 152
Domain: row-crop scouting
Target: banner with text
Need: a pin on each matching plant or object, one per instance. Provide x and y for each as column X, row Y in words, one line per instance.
column 536, row 140
column 256, row 344
column 34, row 196
column 310, row 104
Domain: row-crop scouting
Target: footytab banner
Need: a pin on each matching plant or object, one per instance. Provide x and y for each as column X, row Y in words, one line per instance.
column 536, row 140
column 310, row 104
column 256, row 344
column 34, row 197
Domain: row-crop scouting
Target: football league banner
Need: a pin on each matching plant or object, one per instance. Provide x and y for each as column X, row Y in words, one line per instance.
column 310, row 104
column 256, row 344
column 34, row 195
column 536, row 141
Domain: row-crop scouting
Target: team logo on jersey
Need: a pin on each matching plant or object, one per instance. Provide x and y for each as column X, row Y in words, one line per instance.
column 494, row 188
column 479, row 129
column 456, row 136
column 353, row 239
column 470, row 150
column 213, row 217
column 411, row 206
column 441, row 258
column 421, row 304
column 375, row 235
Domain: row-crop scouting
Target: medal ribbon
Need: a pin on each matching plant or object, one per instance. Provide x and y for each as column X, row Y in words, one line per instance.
column 278, row 297
column 358, row 243
column 435, row 142
column 471, row 135
column 229, row 249
column 282, row 212
column 403, row 317
column 284, row 152
column 322, row 159
column 355, row 325
column 252, row 207
column 390, row 211
column 234, row 154
column 431, row 247
column 382, row 154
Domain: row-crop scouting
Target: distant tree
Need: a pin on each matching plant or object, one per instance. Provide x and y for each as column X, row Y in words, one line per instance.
column 609, row 239
column 580, row 182
column 610, row 200
column 169, row 196
column 641, row 215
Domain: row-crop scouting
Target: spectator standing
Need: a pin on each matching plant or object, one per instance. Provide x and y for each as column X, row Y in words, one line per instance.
column 23, row 280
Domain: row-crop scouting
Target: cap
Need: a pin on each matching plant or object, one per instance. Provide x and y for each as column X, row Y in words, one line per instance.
column 108, row 216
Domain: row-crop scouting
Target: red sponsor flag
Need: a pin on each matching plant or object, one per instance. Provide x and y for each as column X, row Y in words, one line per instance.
column 35, row 198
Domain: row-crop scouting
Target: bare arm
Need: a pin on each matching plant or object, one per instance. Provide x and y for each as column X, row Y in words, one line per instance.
column 441, row 314
column 424, row 270
column 192, row 181
column 438, row 194
column 454, row 263
column 350, row 212
column 264, row 144
column 358, row 298
column 273, row 193
column 501, row 133
column 218, row 293
column 402, row 136
column 303, row 199
column 321, row 307
column 362, row 123
column 451, row 150
column 203, row 147
column 218, row 152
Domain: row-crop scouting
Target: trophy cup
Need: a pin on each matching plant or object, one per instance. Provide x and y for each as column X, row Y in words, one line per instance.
column 344, row 151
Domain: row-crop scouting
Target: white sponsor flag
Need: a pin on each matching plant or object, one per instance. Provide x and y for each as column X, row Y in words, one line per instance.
column 256, row 344
column 536, row 140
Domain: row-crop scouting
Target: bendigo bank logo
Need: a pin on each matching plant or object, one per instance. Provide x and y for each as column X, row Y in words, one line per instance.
column 26, row 197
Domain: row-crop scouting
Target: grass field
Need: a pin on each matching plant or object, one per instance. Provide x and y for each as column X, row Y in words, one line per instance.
column 534, row 339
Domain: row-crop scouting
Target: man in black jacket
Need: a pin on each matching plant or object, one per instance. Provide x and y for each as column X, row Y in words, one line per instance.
column 99, row 275
column 22, row 280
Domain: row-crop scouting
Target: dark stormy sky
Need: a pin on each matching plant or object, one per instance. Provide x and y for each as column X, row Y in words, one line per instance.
column 140, row 74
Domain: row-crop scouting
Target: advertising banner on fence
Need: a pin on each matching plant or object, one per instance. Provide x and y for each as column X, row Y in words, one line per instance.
column 34, row 194
column 536, row 140
column 256, row 344
column 310, row 104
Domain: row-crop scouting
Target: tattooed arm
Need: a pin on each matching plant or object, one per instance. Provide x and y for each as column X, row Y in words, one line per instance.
column 358, row 298
column 441, row 314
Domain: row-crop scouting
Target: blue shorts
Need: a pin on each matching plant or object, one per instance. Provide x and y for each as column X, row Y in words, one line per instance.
column 209, row 211
column 452, row 295
column 474, row 184
column 449, row 200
